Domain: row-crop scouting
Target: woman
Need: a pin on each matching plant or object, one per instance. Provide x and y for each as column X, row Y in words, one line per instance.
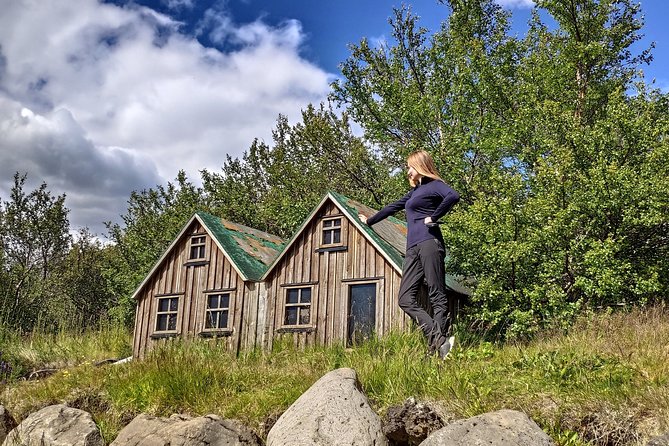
column 429, row 199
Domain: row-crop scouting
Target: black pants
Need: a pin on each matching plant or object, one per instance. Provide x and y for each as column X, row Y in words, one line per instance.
column 425, row 260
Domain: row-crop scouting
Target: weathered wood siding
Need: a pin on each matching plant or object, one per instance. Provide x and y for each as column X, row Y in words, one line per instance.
column 330, row 273
column 191, row 281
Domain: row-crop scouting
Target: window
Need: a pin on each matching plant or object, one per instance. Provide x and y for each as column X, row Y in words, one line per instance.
column 166, row 318
column 217, row 311
column 332, row 231
column 298, row 306
column 197, row 245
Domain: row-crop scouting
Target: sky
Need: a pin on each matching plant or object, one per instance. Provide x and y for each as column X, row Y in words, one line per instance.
column 102, row 98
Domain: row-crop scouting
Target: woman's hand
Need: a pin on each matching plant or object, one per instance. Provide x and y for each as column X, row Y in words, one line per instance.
column 362, row 218
column 428, row 221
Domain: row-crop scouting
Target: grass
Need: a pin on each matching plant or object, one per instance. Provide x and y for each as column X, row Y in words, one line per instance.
column 65, row 348
column 605, row 382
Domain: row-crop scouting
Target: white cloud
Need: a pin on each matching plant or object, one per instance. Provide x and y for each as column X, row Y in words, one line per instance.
column 179, row 4
column 515, row 3
column 116, row 99
column 53, row 148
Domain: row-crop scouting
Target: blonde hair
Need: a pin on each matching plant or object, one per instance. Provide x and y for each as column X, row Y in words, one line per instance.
column 423, row 163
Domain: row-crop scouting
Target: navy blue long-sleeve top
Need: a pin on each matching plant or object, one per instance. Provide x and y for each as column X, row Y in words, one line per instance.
column 430, row 198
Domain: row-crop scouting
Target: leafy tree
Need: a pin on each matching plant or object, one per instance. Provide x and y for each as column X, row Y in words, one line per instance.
column 34, row 238
column 553, row 141
column 153, row 219
column 84, row 281
column 447, row 94
column 275, row 188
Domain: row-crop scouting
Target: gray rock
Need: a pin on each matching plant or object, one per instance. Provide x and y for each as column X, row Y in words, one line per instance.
column 501, row 428
column 57, row 425
column 661, row 440
column 333, row 411
column 7, row 423
column 411, row 423
column 181, row 430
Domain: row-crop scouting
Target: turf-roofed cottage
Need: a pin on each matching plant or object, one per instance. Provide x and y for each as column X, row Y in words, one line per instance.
column 334, row 282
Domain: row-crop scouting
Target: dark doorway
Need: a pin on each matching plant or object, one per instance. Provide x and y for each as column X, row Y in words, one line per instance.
column 362, row 312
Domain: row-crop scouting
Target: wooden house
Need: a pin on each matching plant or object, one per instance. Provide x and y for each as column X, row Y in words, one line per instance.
column 334, row 282
column 206, row 284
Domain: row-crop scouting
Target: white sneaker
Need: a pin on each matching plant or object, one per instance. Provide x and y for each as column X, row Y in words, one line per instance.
column 446, row 347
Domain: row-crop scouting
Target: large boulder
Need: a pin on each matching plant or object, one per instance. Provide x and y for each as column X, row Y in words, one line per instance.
column 181, row 430
column 56, row 425
column 501, row 428
column 411, row 423
column 7, row 423
column 333, row 411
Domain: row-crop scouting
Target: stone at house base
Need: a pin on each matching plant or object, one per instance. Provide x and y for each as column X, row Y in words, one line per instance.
column 501, row 428
column 411, row 423
column 332, row 411
column 56, row 425
column 7, row 423
column 182, row 430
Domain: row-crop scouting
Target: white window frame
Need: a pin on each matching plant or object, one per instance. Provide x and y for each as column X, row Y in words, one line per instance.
column 199, row 243
column 299, row 304
column 168, row 313
column 219, row 309
column 331, row 230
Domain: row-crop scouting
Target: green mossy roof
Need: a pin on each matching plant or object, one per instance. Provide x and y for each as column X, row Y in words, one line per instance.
column 251, row 251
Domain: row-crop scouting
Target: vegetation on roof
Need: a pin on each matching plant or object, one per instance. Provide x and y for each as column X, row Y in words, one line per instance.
column 252, row 251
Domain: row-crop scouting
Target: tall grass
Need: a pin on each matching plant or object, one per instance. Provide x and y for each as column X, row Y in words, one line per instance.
column 603, row 382
column 63, row 348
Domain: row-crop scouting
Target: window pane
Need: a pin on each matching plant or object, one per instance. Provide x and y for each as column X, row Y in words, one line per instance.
column 292, row 296
column 225, row 301
column 336, row 222
column 306, row 296
column 304, row 315
column 336, row 236
column 291, row 316
column 223, row 319
column 327, row 237
column 172, row 322
column 211, row 320
column 327, row 223
column 163, row 305
column 193, row 252
column 174, row 304
column 212, row 302
column 161, row 322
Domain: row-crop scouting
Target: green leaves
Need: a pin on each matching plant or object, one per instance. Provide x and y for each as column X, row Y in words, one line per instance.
column 34, row 238
column 557, row 147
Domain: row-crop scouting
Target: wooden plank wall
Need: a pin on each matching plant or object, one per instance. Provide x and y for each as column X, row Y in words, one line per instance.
column 329, row 273
column 191, row 283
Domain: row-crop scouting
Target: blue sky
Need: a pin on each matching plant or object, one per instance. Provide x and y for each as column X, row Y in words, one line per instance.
column 329, row 26
column 102, row 98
